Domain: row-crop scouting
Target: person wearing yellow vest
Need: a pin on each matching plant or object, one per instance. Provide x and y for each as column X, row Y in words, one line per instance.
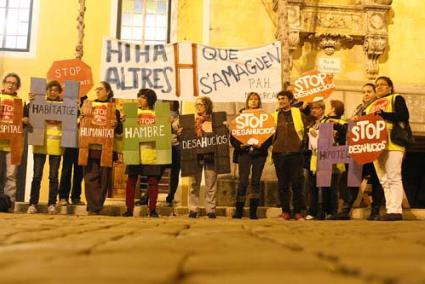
column 52, row 148
column 392, row 108
column 10, row 85
column 98, row 179
column 287, row 154
column 146, row 115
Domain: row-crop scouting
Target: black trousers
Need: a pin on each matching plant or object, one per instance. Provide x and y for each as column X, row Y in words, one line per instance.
column 70, row 162
column 39, row 161
column 254, row 165
column 97, row 181
column 289, row 171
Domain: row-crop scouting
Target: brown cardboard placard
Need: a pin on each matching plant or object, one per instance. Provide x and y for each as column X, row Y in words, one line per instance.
column 216, row 143
column 11, row 113
column 97, row 127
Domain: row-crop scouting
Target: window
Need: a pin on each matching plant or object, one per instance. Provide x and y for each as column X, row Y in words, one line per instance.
column 144, row 21
column 15, row 25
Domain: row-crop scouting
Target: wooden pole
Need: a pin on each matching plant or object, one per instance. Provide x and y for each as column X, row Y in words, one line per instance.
column 79, row 49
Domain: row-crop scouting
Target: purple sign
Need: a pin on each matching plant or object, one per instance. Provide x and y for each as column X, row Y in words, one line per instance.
column 328, row 155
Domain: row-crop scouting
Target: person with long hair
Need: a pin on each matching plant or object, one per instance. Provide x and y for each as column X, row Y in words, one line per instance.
column 251, row 159
column 98, row 179
column 392, row 108
column 205, row 162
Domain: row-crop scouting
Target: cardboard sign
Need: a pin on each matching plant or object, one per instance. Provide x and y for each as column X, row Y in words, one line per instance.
column 11, row 113
column 313, row 86
column 367, row 138
column 216, row 143
column 253, row 127
column 41, row 110
column 328, row 155
column 72, row 70
column 140, row 129
column 97, row 127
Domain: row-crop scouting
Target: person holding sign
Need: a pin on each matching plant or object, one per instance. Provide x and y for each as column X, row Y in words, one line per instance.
column 97, row 178
column 205, row 162
column 11, row 84
column 287, row 154
column 251, row 159
column 146, row 116
column 317, row 112
column 52, row 148
column 392, row 108
column 368, row 172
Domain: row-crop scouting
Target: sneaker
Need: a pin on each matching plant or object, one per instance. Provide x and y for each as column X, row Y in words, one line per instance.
column 32, row 209
column 153, row 214
column 299, row 217
column 63, row 202
column 309, row 217
column 51, row 210
column 285, row 216
column 127, row 213
column 211, row 215
column 77, row 202
column 392, row 217
column 193, row 214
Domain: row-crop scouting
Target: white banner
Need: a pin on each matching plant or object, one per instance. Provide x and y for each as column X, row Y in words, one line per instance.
column 183, row 71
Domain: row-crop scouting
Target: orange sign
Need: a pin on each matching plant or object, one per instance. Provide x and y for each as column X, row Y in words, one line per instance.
column 72, row 70
column 7, row 108
column 11, row 113
column 313, row 86
column 367, row 138
column 252, row 127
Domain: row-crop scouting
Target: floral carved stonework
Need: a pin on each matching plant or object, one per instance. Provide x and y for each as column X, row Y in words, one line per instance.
column 331, row 27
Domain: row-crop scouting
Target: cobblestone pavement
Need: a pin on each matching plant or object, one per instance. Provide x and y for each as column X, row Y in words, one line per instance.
column 98, row 249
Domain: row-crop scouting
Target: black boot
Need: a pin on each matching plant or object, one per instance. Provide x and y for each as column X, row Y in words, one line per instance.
column 343, row 215
column 321, row 214
column 239, row 210
column 374, row 213
column 253, row 205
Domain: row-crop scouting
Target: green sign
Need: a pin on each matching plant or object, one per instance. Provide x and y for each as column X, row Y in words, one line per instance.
column 139, row 129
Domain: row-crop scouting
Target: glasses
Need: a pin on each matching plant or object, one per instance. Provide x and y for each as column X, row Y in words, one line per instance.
column 11, row 83
column 199, row 104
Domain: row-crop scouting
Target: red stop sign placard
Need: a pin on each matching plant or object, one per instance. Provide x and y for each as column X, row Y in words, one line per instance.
column 367, row 138
column 252, row 127
column 72, row 70
column 313, row 86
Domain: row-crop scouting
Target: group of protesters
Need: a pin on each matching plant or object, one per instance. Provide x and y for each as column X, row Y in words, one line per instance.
column 293, row 148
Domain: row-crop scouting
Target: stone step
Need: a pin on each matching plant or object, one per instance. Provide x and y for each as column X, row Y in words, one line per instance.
column 117, row 208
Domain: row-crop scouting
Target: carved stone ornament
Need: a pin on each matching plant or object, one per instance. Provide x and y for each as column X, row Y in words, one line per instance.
column 334, row 26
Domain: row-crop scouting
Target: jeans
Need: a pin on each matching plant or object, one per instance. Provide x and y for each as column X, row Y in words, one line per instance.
column 70, row 161
column 39, row 161
column 289, row 171
column 246, row 163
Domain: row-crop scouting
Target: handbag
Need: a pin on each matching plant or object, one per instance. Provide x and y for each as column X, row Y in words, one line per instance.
column 401, row 133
